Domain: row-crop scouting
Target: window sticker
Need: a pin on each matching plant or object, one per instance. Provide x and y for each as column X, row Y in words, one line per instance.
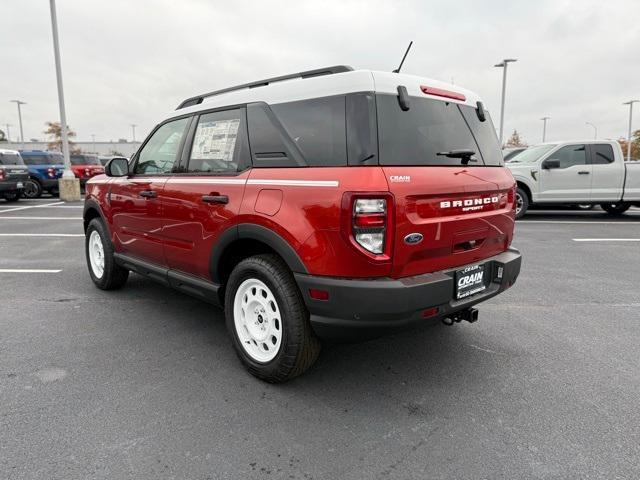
column 215, row 140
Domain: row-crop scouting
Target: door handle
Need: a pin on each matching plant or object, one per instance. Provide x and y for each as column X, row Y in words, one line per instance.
column 148, row 194
column 582, row 172
column 222, row 199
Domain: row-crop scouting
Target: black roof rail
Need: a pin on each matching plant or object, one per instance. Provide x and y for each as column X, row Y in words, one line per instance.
column 189, row 102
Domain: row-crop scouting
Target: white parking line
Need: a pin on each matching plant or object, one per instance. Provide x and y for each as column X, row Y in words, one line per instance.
column 27, row 270
column 606, row 239
column 59, row 206
column 40, row 218
column 15, row 209
column 41, row 235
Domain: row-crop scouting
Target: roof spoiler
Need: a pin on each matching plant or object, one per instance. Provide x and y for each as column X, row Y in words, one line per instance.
column 261, row 83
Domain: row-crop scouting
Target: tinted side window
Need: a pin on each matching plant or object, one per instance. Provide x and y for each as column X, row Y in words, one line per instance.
column 219, row 143
column 317, row 126
column 160, row 152
column 602, row 154
column 570, row 155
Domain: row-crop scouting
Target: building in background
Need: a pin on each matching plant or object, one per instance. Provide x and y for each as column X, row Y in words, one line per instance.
column 126, row 149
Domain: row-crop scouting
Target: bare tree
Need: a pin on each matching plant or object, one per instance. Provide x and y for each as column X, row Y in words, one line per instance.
column 515, row 140
column 54, row 132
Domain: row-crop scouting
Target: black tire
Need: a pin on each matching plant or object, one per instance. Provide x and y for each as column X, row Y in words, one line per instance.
column 615, row 208
column 32, row 189
column 12, row 197
column 113, row 276
column 299, row 347
column 522, row 203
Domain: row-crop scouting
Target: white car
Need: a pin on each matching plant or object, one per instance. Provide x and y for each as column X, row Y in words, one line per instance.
column 580, row 172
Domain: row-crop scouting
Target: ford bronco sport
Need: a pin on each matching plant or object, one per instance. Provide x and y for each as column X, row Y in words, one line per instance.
column 323, row 204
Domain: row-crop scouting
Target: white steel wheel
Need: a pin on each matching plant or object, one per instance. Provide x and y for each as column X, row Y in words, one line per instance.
column 96, row 254
column 257, row 320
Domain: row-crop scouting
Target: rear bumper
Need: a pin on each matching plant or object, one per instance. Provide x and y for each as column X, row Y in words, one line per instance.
column 11, row 185
column 48, row 183
column 371, row 307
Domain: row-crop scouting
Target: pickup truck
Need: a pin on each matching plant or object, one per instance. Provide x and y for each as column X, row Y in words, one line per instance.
column 579, row 172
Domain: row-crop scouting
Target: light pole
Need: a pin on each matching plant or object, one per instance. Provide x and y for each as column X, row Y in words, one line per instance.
column 19, row 102
column 133, row 131
column 630, row 103
column 69, row 185
column 544, row 127
column 503, row 65
column 595, row 130
column 8, row 135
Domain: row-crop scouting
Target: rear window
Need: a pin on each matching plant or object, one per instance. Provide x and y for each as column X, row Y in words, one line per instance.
column 10, row 159
column 85, row 160
column 36, row 159
column 429, row 127
column 317, row 127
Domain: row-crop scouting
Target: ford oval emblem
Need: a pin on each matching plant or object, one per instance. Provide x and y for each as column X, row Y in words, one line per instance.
column 413, row 238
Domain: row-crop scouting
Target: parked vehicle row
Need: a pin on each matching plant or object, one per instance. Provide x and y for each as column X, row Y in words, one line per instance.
column 587, row 172
column 43, row 169
column 338, row 203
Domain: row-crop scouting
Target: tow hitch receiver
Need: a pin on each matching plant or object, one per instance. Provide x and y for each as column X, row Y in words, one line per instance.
column 469, row 315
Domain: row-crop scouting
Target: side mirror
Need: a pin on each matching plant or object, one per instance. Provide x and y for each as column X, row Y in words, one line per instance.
column 117, row 167
column 551, row 163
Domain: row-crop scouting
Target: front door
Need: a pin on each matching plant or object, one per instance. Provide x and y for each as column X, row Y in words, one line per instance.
column 136, row 201
column 571, row 182
column 203, row 200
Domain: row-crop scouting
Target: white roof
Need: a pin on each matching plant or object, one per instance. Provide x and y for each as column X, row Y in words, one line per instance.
column 5, row 150
column 333, row 84
column 578, row 140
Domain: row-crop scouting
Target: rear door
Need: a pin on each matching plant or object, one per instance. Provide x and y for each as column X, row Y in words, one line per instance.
column 205, row 196
column 571, row 182
column 136, row 200
column 462, row 213
column 607, row 175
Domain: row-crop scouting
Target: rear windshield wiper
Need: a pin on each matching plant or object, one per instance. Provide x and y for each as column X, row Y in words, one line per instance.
column 464, row 154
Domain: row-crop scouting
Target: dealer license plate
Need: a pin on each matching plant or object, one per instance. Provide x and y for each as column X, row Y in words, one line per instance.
column 470, row 280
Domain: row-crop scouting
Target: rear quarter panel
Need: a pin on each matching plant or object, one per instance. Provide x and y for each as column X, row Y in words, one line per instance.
column 309, row 214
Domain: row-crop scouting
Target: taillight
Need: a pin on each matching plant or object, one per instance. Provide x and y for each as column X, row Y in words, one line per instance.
column 369, row 221
column 51, row 172
column 2, row 174
column 87, row 172
column 440, row 92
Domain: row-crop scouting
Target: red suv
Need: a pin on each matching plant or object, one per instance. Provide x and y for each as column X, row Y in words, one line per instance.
column 328, row 203
column 86, row 166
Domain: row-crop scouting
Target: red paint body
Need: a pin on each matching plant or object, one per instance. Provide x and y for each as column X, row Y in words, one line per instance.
column 178, row 230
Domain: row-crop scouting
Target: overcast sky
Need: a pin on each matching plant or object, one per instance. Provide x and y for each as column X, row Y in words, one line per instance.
column 130, row 62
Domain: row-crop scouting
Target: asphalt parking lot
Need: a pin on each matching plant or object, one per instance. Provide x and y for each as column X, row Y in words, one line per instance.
column 144, row 383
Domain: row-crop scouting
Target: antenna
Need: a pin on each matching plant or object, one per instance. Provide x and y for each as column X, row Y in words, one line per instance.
column 397, row 70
